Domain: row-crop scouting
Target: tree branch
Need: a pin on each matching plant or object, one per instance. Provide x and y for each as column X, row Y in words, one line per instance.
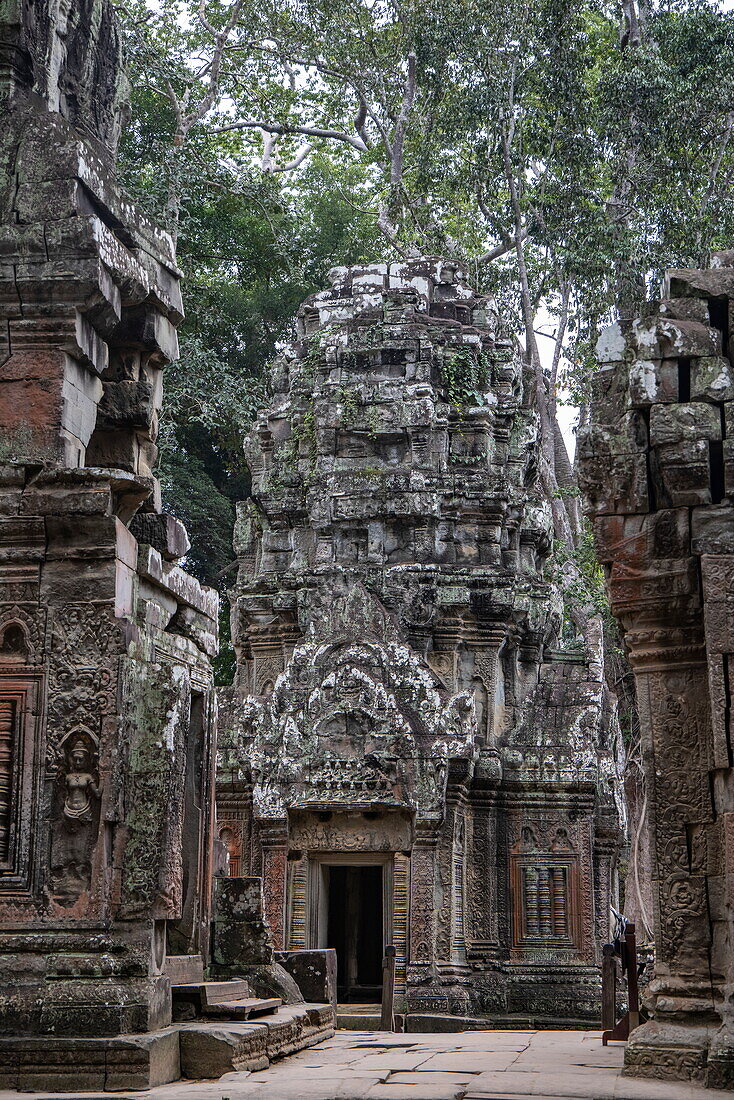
column 297, row 160
column 398, row 145
column 508, row 245
column 285, row 128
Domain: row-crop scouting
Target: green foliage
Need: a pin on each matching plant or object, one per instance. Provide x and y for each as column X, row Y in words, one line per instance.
column 351, row 405
column 466, row 373
column 665, row 110
column 588, row 590
column 225, row 662
column 621, row 155
column 250, row 249
column 191, row 491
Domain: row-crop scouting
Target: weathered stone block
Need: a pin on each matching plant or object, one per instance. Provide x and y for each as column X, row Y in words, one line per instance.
column 624, row 485
column 211, row 1050
column 314, row 972
column 240, row 935
column 712, row 529
column 665, row 338
column 712, row 379
column 611, row 347
column 685, row 309
column 691, row 422
column 694, row 283
column 650, row 382
column 632, row 540
column 72, row 1065
column 681, row 473
column 22, row 243
column 125, row 404
column 164, row 533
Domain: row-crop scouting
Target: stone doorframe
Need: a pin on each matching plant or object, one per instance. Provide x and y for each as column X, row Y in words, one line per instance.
column 317, row 897
column 306, row 898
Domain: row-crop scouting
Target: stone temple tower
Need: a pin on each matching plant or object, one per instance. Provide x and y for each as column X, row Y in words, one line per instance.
column 408, row 755
column 106, row 702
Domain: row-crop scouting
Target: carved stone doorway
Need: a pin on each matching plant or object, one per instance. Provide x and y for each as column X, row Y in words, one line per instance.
column 354, row 929
column 352, row 915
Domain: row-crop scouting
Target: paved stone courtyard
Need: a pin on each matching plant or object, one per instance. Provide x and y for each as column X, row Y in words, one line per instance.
column 483, row 1065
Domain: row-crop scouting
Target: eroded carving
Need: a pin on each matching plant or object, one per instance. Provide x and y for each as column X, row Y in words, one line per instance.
column 80, row 781
column 664, row 523
column 105, row 753
column 399, row 688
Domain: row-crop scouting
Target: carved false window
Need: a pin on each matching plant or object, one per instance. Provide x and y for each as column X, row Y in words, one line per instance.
column 8, row 741
column 544, row 904
column 20, row 715
column 544, row 888
column 18, row 785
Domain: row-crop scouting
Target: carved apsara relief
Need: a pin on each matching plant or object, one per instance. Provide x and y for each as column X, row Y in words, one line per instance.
column 75, row 828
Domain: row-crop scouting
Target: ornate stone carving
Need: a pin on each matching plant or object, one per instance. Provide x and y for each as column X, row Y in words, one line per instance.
column 80, row 780
column 230, row 834
column 21, row 635
column 665, row 532
column 85, row 645
column 393, row 553
column 105, row 754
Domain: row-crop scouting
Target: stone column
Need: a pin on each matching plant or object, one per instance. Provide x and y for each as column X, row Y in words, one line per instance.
column 657, row 473
column 423, row 907
column 482, row 907
column 717, row 570
column 485, row 643
column 672, row 692
column 274, row 841
column 605, row 855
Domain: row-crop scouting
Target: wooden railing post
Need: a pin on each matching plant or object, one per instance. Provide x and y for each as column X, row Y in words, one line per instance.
column 608, row 988
column 633, row 997
column 625, row 946
column 387, row 1018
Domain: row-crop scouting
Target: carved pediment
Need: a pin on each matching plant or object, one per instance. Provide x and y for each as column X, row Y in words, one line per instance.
column 353, row 722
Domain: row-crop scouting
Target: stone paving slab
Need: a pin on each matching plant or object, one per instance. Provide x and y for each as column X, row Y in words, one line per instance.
column 434, row 1077
column 479, row 1061
column 418, row 1091
column 521, row 1065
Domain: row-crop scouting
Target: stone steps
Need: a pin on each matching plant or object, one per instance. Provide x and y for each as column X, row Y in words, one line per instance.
column 184, row 969
column 209, row 1050
column 212, row 992
column 231, row 1000
column 197, row 1050
column 243, row 1009
column 53, row 1064
column 367, row 1018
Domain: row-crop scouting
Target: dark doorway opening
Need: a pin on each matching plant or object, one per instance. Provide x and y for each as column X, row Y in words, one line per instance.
column 354, row 929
